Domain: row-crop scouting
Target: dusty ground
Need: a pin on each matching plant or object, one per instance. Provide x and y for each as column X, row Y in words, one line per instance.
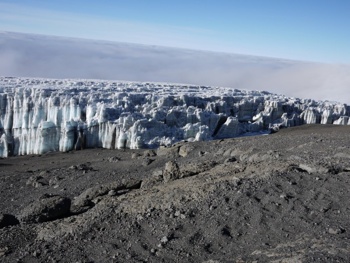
column 278, row 198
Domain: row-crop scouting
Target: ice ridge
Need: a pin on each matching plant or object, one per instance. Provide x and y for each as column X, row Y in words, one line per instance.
column 43, row 115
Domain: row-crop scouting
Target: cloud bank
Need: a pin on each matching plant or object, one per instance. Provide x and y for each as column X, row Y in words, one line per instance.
column 27, row 55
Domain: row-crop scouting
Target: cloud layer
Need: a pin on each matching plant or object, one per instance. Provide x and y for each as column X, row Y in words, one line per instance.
column 26, row 55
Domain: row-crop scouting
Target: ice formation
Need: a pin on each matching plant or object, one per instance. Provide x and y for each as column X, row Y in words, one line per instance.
column 42, row 115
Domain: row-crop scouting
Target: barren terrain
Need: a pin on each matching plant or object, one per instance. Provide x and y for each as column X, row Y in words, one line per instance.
column 282, row 197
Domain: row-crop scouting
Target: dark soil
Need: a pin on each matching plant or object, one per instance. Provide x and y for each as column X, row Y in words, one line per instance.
column 277, row 198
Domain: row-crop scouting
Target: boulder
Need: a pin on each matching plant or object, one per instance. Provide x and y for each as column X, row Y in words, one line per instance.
column 185, row 149
column 171, row 171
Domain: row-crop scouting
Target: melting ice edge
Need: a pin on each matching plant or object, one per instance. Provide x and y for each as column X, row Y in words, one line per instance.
column 42, row 115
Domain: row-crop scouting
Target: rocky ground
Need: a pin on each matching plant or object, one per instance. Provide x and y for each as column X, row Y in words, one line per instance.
column 277, row 198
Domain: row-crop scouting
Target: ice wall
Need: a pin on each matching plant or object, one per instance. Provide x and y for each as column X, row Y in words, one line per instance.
column 41, row 115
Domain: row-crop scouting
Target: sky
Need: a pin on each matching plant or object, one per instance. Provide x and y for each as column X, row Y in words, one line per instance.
column 307, row 30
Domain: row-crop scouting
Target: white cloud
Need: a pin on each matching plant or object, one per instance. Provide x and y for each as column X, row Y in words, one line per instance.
column 30, row 55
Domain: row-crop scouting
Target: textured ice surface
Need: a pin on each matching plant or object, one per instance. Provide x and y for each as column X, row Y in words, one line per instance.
column 42, row 115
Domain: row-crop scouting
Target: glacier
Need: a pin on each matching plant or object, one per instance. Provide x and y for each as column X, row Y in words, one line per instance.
column 44, row 115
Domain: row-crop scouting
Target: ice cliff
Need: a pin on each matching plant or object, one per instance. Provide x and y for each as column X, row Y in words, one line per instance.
column 42, row 115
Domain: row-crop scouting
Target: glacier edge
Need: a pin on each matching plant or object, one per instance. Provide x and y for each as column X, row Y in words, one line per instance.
column 43, row 115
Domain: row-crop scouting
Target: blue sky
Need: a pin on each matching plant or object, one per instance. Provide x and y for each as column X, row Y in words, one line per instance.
column 312, row 30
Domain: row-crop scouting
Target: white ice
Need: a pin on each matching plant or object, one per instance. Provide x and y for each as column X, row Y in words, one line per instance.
column 42, row 115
